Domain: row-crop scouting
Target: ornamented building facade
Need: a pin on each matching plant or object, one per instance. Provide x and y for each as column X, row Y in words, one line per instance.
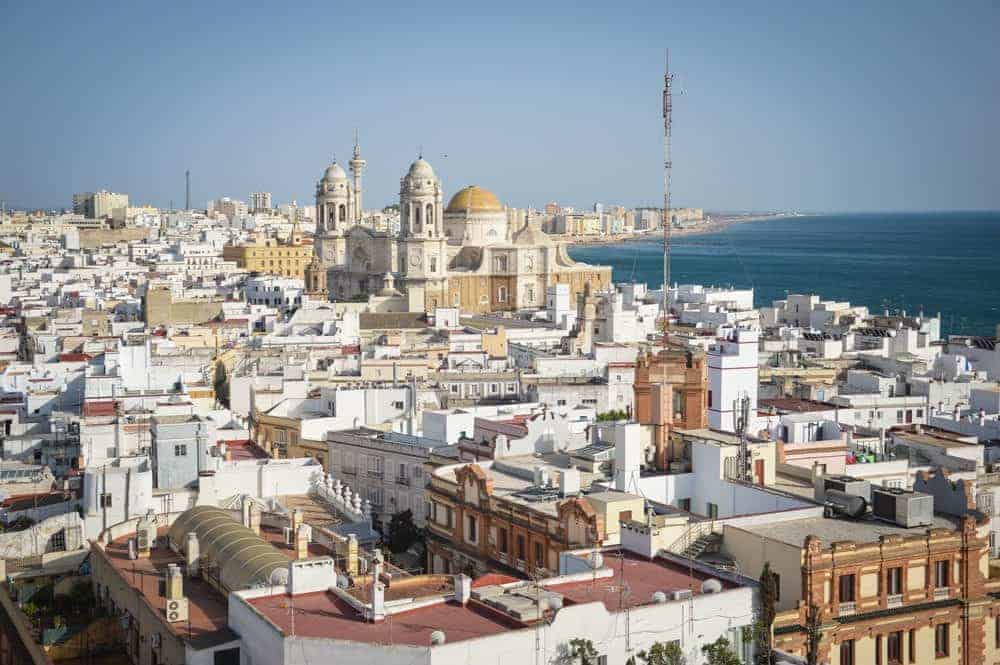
column 466, row 254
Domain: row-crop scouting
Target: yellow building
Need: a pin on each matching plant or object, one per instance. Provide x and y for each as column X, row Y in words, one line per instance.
column 269, row 256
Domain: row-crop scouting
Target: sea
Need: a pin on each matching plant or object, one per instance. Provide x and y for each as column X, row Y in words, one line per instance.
column 930, row 262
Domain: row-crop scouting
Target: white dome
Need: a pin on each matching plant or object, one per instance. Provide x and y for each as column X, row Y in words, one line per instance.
column 334, row 173
column 421, row 169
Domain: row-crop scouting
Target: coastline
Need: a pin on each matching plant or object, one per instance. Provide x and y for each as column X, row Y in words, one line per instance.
column 718, row 223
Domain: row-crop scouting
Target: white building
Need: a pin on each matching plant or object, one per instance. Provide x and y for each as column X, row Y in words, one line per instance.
column 732, row 375
column 282, row 293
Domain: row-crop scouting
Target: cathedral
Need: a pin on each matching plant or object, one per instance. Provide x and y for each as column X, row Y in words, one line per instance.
column 467, row 255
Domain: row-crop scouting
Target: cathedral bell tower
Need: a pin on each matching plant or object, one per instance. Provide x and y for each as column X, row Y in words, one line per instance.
column 422, row 250
column 357, row 165
column 335, row 202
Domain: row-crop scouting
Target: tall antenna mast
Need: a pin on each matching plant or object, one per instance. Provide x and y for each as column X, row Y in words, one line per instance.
column 666, row 219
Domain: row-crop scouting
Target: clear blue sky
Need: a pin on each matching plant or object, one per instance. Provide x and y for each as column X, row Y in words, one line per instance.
column 786, row 105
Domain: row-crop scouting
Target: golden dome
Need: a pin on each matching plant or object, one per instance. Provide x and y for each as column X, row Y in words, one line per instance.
column 474, row 199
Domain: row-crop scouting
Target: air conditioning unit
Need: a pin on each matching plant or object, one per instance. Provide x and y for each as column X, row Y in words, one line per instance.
column 681, row 594
column 905, row 508
column 177, row 609
column 845, row 484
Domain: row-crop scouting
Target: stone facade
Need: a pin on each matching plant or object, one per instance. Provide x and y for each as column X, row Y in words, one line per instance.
column 671, row 392
column 271, row 257
column 466, row 255
column 470, row 530
column 926, row 598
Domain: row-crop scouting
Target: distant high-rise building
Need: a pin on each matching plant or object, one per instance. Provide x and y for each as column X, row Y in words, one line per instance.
column 552, row 208
column 260, row 201
column 101, row 205
column 231, row 208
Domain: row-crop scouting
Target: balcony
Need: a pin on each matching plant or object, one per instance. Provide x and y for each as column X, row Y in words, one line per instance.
column 349, row 471
column 942, row 593
column 847, row 609
column 403, row 480
column 894, row 600
column 375, row 473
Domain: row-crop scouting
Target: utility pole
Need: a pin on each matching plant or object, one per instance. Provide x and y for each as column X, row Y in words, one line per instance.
column 666, row 220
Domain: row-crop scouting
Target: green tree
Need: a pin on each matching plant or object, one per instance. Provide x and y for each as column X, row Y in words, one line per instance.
column 813, row 635
column 663, row 653
column 583, row 650
column 611, row 416
column 403, row 533
column 221, row 385
column 720, row 653
column 764, row 625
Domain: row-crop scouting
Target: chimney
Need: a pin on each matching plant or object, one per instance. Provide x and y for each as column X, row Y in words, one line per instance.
column 377, row 566
column 245, row 504
column 175, row 582
column 569, row 482
column 296, row 519
column 378, row 601
column 302, row 537
column 351, row 555
column 193, row 554
column 254, row 518
column 463, row 588
column 628, row 457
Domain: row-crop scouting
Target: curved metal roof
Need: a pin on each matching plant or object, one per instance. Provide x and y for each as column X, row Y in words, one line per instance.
column 245, row 559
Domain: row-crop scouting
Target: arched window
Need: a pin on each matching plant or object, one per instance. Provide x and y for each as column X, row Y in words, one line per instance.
column 343, row 212
column 430, row 214
column 416, row 219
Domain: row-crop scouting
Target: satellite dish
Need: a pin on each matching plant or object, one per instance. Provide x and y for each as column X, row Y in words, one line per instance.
column 711, row 586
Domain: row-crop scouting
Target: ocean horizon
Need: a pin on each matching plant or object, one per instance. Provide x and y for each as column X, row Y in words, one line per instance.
column 947, row 262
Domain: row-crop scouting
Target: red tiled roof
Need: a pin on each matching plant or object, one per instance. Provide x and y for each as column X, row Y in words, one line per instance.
column 99, row 408
column 643, row 578
column 74, row 357
column 243, row 449
column 207, row 609
column 324, row 615
column 512, row 430
column 493, row 579
column 26, row 501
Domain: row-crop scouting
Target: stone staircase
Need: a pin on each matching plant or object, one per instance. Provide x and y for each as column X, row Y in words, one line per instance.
column 705, row 543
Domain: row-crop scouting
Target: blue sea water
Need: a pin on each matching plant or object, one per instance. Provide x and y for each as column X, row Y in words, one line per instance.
column 935, row 262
